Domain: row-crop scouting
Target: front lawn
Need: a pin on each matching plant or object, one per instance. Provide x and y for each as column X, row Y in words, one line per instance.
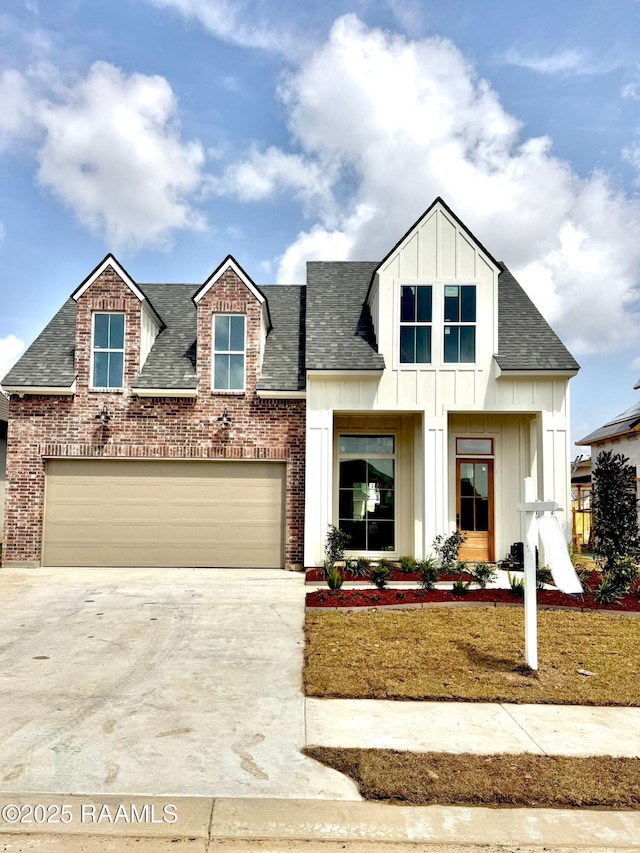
column 473, row 654
column 494, row 780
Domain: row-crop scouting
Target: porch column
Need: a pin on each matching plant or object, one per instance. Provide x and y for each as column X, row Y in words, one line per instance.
column 435, row 473
column 554, row 467
column 318, row 484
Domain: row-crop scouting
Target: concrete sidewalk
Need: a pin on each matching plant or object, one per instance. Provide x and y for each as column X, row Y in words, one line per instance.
column 478, row 727
column 206, row 824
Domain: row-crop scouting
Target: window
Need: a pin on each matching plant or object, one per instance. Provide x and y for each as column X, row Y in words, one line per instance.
column 228, row 352
column 460, row 319
column 474, row 446
column 366, row 504
column 108, row 351
column 415, row 324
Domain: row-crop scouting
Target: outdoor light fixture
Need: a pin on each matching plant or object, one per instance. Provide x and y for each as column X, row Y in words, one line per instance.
column 224, row 420
column 103, row 416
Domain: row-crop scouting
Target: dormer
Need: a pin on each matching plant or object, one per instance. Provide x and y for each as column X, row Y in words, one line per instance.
column 233, row 323
column 116, row 327
column 434, row 297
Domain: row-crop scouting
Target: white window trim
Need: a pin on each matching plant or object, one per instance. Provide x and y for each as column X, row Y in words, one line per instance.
column 215, row 352
column 414, row 325
column 93, row 387
column 460, row 324
column 437, row 323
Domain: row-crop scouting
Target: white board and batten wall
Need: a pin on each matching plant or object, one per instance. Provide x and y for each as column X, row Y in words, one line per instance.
column 529, row 415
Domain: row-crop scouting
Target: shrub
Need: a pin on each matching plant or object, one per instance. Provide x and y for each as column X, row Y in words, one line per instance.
column 447, row 549
column 608, row 592
column 335, row 543
column 461, row 567
column 543, row 576
column 428, row 569
column 484, row 574
column 381, row 573
column 615, row 511
column 460, row 587
column 516, row 585
column 362, row 567
column 407, row 565
column 335, row 578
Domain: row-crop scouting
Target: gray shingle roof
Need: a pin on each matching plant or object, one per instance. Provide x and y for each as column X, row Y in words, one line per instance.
column 283, row 363
column 171, row 364
column 339, row 330
column 49, row 360
column 621, row 424
column 525, row 340
column 4, row 408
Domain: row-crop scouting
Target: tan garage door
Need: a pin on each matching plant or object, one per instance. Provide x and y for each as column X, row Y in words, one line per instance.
column 117, row 513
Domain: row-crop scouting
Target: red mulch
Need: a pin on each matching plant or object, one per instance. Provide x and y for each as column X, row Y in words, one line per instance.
column 377, row 598
column 316, row 576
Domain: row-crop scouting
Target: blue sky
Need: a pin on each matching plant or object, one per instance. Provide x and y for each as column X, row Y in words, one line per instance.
column 173, row 132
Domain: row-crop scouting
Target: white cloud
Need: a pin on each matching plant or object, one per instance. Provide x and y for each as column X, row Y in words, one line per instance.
column 240, row 24
column 11, row 348
column 407, row 120
column 113, row 153
column 17, row 111
column 569, row 62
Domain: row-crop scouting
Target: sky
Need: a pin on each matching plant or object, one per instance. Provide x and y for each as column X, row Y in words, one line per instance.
column 175, row 132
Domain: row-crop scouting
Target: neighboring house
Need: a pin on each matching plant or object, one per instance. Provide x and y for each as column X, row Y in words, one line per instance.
column 4, row 417
column 171, row 423
column 581, row 493
column 619, row 435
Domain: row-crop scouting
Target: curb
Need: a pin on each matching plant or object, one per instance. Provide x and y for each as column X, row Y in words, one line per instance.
column 229, row 820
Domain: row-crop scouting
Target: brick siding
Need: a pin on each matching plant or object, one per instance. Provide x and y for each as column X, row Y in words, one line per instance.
column 151, row 428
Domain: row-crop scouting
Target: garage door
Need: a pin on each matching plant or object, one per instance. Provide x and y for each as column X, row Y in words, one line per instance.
column 117, row 513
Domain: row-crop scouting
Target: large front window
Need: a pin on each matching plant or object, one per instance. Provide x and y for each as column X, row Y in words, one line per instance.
column 415, row 324
column 108, row 351
column 366, row 508
column 460, row 323
column 228, row 352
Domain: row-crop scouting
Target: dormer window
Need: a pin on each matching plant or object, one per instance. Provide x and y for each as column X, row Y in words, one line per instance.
column 415, row 324
column 228, row 352
column 107, row 351
column 460, row 323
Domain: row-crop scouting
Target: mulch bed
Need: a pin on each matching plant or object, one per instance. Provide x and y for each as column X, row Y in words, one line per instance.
column 390, row 597
column 316, row 576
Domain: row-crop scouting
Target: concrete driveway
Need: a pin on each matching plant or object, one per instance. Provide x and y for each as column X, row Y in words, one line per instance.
column 170, row 681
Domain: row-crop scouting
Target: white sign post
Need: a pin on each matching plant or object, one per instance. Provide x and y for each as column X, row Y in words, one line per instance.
column 564, row 575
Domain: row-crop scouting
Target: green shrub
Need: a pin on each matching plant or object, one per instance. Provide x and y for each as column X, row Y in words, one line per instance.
column 447, row 549
column 381, row 573
column 335, row 543
column 428, row 569
column 362, row 567
column 609, row 591
column 516, row 585
column 460, row 587
column 484, row 574
column 407, row 565
column 335, row 578
column 461, row 567
column 615, row 511
column 543, row 576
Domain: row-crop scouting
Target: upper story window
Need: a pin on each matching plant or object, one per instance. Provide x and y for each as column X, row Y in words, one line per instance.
column 107, row 352
column 415, row 323
column 228, row 352
column 460, row 323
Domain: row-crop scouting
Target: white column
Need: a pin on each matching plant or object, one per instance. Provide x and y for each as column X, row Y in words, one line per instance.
column 318, row 485
column 436, row 480
column 530, row 538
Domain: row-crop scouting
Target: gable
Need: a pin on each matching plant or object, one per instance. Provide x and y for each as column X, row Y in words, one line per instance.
column 229, row 263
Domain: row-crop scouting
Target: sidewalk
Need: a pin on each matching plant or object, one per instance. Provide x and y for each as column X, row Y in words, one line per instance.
column 479, row 727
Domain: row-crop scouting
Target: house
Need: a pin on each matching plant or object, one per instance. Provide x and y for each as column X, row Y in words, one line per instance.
column 228, row 424
column 619, row 435
column 581, row 494
column 4, row 418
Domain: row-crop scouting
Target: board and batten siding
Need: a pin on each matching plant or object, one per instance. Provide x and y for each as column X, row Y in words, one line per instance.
column 439, row 251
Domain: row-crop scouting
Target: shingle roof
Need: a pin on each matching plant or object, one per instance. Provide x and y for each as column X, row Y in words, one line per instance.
column 49, row 360
column 283, row 363
column 525, row 340
column 621, row 424
column 171, row 364
column 4, row 408
column 339, row 329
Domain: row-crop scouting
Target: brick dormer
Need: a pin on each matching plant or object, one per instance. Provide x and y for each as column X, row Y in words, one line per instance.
column 229, row 292
column 110, row 290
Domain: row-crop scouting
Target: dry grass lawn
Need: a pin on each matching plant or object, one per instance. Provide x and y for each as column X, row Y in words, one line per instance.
column 473, row 654
column 517, row 780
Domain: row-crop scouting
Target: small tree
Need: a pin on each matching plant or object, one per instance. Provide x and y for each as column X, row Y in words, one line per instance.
column 615, row 512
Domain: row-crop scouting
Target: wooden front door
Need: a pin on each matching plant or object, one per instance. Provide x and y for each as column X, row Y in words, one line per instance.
column 474, row 508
